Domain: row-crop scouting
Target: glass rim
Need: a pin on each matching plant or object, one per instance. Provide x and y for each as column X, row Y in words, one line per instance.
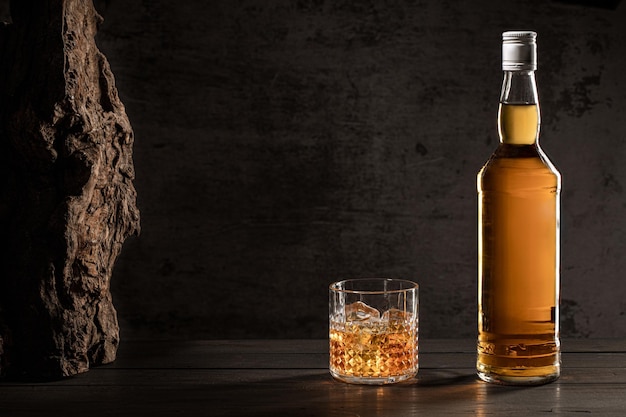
column 407, row 285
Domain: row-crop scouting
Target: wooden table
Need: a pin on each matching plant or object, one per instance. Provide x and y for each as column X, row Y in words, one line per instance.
column 290, row 378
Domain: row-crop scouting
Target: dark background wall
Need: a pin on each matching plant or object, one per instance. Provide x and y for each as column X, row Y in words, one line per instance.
column 281, row 145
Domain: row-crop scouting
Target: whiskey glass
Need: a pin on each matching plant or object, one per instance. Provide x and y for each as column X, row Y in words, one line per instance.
column 373, row 330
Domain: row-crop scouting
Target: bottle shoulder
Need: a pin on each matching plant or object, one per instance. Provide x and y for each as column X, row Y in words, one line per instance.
column 512, row 166
column 520, row 156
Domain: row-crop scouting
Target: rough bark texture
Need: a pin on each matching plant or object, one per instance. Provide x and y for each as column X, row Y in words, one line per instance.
column 67, row 201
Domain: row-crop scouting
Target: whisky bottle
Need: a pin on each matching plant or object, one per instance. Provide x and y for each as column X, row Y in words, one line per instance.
column 518, row 235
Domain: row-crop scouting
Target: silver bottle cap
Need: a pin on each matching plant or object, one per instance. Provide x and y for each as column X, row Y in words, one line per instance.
column 519, row 51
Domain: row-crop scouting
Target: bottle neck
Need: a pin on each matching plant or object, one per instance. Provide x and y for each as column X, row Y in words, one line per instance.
column 519, row 116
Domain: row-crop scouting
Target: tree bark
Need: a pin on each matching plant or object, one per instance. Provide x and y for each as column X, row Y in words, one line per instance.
column 67, row 201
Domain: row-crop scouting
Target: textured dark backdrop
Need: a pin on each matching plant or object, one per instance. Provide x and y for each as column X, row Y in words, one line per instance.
column 281, row 145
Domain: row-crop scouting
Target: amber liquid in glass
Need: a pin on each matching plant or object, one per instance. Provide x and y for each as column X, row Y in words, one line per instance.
column 518, row 256
column 373, row 350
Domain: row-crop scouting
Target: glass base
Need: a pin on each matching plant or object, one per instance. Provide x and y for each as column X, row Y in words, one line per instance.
column 372, row 380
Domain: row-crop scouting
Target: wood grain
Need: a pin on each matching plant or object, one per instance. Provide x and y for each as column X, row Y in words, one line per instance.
column 68, row 200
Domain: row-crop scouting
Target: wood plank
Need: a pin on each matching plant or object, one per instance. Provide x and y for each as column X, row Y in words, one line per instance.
column 133, row 348
column 305, row 353
column 320, row 361
column 208, row 377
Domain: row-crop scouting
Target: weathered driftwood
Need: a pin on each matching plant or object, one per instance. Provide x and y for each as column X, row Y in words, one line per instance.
column 67, row 200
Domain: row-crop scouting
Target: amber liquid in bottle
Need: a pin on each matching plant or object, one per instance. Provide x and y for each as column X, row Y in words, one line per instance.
column 518, row 190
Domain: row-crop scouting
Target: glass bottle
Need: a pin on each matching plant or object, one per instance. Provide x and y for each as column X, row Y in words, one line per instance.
column 518, row 235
